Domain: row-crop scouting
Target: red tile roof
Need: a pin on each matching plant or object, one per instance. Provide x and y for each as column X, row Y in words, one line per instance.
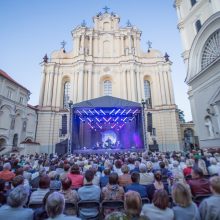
column 5, row 75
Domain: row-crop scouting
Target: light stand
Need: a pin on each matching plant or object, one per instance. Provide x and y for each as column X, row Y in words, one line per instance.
column 144, row 105
column 70, row 126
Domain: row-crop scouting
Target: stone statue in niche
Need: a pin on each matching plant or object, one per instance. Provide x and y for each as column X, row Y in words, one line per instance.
column 208, row 124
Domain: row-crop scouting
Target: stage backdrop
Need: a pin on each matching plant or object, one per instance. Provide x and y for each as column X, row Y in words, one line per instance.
column 106, row 123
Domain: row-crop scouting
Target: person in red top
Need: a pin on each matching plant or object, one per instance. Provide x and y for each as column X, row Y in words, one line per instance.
column 187, row 171
column 198, row 184
column 6, row 174
column 76, row 177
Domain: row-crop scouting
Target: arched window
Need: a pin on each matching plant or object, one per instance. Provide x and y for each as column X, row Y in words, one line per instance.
column 107, row 87
column 211, row 50
column 198, row 25
column 147, row 92
column 193, row 2
column 66, row 95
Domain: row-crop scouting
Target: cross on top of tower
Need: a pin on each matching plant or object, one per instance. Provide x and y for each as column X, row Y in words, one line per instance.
column 149, row 43
column 106, row 9
column 63, row 43
column 83, row 24
column 128, row 23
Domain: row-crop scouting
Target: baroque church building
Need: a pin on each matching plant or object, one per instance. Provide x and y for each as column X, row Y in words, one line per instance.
column 107, row 59
column 199, row 26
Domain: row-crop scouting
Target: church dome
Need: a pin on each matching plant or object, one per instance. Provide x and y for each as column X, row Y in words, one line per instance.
column 153, row 53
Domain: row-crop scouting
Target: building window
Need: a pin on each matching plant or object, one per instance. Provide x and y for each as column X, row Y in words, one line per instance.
column 9, row 95
column 147, row 92
column 193, row 2
column 66, row 95
column 21, row 100
column 211, row 50
column 107, row 87
column 198, row 25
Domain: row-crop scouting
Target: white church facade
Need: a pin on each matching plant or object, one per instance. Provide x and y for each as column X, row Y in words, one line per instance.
column 107, row 60
column 199, row 26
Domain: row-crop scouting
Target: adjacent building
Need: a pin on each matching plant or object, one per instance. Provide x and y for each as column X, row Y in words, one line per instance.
column 199, row 26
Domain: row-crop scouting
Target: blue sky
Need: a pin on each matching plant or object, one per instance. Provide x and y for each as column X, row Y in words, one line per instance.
column 31, row 28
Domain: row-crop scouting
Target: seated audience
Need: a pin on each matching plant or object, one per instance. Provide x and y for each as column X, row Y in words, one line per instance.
column 55, row 206
column 69, row 194
column 159, row 207
column 146, row 177
column 65, row 172
column 6, row 174
column 198, row 184
column 76, row 177
column 125, row 178
column 188, row 169
column 14, row 210
column 158, row 184
column 184, row 207
column 113, row 191
column 214, row 168
column 117, row 167
column 105, row 179
column 54, row 182
column 135, row 186
column 44, row 187
column 132, row 205
column 3, row 192
column 209, row 208
column 36, row 177
column 41, row 213
column 89, row 192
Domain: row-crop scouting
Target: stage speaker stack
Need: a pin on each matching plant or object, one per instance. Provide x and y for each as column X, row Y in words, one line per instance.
column 64, row 125
column 149, row 122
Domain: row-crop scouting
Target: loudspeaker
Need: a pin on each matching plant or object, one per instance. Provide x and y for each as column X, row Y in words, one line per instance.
column 149, row 122
column 64, row 124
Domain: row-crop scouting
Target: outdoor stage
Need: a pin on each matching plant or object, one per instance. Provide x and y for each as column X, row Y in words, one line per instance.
column 106, row 124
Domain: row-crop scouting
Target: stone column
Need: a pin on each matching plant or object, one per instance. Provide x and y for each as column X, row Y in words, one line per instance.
column 55, row 89
column 122, row 45
column 124, row 82
column 41, row 100
column 138, row 86
column 50, row 90
column 132, row 83
column 163, row 96
column 90, row 45
column 46, row 89
column 166, row 85
column 172, row 98
column 89, row 95
column 80, row 86
column 60, row 91
column 75, row 87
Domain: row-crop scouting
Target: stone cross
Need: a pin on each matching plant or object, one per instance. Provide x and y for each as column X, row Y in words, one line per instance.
column 106, row 9
column 63, row 43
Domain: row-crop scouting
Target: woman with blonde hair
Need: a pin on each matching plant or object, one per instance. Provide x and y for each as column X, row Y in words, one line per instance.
column 185, row 208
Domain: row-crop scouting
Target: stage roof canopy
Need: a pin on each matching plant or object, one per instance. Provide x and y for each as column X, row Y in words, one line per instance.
column 106, row 102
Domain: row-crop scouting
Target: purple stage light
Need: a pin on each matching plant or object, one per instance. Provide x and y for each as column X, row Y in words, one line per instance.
column 85, row 112
column 109, row 119
column 128, row 111
column 79, row 112
column 96, row 112
column 116, row 118
column 89, row 119
column 91, row 112
column 117, row 111
column 124, row 118
column 111, row 111
column 123, row 111
column 102, row 112
column 90, row 125
column 135, row 111
column 105, row 119
column 132, row 119
column 99, row 125
column 113, row 126
column 97, row 119
column 81, row 119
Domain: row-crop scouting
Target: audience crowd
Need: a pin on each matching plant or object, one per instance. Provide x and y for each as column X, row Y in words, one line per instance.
column 128, row 185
